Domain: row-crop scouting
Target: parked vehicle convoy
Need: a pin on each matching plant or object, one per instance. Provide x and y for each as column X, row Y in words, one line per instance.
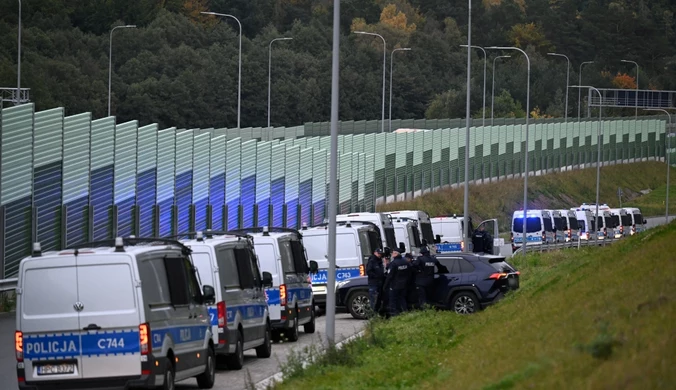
column 424, row 225
column 572, row 228
column 355, row 242
column 290, row 301
column 472, row 283
column 638, row 222
column 539, row 228
column 239, row 317
column 381, row 220
column 622, row 222
column 407, row 234
column 116, row 313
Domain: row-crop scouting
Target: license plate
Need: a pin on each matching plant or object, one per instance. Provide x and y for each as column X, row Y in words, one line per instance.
column 56, row 369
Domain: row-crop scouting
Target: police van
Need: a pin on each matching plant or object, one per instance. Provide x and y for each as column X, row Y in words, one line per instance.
column 449, row 233
column 539, row 228
column 638, row 222
column 408, row 236
column 603, row 223
column 586, row 223
column 381, row 220
column 570, row 225
column 355, row 243
column 559, row 225
column 239, row 318
column 118, row 313
column 290, row 302
column 424, row 225
column 622, row 222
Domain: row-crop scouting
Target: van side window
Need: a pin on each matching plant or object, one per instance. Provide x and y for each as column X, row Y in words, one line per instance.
column 193, row 284
column 227, row 265
column 365, row 244
column 258, row 281
column 300, row 261
column 548, row 224
column 246, row 279
column 154, row 281
column 178, row 280
column 287, row 257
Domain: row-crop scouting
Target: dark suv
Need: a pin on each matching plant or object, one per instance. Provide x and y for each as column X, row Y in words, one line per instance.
column 470, row 283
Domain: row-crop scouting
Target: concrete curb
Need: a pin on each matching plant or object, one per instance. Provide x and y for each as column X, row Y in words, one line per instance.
column 278, row 377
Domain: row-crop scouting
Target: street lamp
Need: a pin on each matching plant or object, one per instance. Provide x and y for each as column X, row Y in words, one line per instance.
column 382, row 123
column 18, row 62
column 599, row 141
column 239, row 86
column 270, row 72
column 493, row 84
column 110, row 60
column 579, row 91
column 635, row 63
column 483, row 123
column 567, row 80
column 465, row 217
column 391, row 67
column 666, row 213
column 525, row 163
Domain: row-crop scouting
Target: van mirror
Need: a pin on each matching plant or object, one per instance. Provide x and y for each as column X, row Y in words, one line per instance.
column 209, row 294
column 424, row 242
column 437, row 239
column 314, row 267
column 645, row 221
column 267, row 279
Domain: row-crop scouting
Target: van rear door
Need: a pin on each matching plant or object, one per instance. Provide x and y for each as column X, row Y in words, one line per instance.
column 109, row 320
column 48, row 317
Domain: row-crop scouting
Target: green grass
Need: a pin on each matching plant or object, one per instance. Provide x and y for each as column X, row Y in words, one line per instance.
column 598, row 318
column 553, row 191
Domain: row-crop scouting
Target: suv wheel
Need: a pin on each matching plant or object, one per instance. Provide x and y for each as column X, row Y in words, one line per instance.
column 310, row 326
column 236, row 360
column 465, row 303
column 359, row 305
column 293, row 335
column 265, row 350
column 208, row 377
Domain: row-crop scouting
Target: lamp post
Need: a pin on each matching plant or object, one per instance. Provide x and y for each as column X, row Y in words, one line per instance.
column 579, row 91
column 666, row 213
column 382, row 123
column 270, row 72
column 599, row 141
column 391, row 68
column 465, row 202
column 483, row 123
column 567, row 80
column 110, row 60
column 493, row 84
column 239, row 83
column 18, row 62
column 525, row 163
column 635, row 63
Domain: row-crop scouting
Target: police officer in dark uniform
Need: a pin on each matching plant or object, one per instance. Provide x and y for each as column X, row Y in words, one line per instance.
column 398, row 277
column 375, row 271
column 482, row 242
column 424, row 280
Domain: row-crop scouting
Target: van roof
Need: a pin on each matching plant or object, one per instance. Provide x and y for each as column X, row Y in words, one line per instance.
column 130, row 245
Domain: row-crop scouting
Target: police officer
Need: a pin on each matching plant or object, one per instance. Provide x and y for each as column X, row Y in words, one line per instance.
column 398, row 277
column 482, row 242
column 424, row 280
column 375, row 271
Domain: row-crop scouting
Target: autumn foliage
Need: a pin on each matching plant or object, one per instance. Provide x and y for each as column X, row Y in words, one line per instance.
column 624, row 81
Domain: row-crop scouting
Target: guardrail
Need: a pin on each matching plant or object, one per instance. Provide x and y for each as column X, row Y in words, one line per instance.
column 8, row 284
column 569, row 245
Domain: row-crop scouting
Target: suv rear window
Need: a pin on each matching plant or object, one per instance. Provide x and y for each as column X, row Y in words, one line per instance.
column 499, row 264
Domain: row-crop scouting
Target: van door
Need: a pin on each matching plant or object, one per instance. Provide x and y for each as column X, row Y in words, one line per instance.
column 109, row 319
column 246, row 283
column 48, row 317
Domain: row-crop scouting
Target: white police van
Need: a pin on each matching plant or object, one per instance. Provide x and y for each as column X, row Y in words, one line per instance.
column 424, row 225
column 239, row 318
column 569, row 223
column 638, row 222
column 622, row 222
column 539, row 228
column 586, row 223
column 355, row 243
column 559, row 224
column 381, row 220
column 603, row 223
column 118, row 313
column 290, row 302
column 449, row 233
column 407, row 234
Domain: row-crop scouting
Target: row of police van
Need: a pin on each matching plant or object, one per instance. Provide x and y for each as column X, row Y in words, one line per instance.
column 139, row 312
column 574, row 224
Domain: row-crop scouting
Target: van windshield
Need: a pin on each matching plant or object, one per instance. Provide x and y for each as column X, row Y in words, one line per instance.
column 560, row 223
column 427, row 233
column 533, row 225
column 626, row 220
column 573, row 223
column 615, row 220
column 638, row 218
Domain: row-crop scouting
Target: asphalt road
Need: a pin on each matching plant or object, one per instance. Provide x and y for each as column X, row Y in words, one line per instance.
column 254, row 371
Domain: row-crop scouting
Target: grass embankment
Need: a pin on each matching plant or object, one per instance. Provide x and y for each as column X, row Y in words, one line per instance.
column 599, row 318
column 559, row 190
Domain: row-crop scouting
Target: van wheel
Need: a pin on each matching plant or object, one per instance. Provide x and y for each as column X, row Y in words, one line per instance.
column 236, row 360
column 208, row 377
column 293, row 336
column 168, row 376
column 310, row 326
column 265, row 350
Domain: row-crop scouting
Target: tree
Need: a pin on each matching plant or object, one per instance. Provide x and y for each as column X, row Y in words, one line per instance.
column 624, row 81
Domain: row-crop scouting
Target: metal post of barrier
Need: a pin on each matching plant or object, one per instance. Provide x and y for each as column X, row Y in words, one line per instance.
column 210, row 217
column 136, row 220
column 2, row 240
column 240, row 216
column 271, row 217
column 255, row 215
column 174, row 219
column 312, row 213
column 64, row 227
column 285, row 214
column 156, row 220
column 225, row 217
column 34, row 225
column 192, row 211
column 114, row 217
column 299, row 216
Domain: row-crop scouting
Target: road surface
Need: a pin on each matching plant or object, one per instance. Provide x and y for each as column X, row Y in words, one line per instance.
column 254, row 368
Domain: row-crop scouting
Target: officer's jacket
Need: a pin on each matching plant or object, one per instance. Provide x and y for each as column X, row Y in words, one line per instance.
column 400, row 273
column 375, row 270
column 425, row 265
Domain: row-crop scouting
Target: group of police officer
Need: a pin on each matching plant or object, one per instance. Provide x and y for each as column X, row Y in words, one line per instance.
column 396, row 276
